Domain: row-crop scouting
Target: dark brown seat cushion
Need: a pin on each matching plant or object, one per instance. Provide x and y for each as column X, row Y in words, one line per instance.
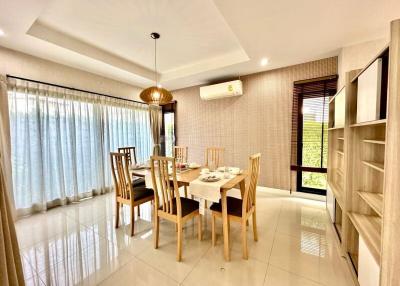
column 234, row 206
column 137, row 181
column 142, row 192
column 188, row 206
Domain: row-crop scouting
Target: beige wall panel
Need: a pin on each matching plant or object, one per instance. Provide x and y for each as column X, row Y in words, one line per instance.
column 258, row 121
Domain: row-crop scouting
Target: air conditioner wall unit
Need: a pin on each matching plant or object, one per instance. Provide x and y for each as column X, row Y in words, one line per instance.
column 221, row 90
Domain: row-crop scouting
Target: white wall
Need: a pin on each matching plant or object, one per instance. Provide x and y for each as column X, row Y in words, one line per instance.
column 22, row 65
column 357, row 56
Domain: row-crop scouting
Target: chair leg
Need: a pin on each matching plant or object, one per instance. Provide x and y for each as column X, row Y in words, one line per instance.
column 156, row 230
column 117, row 214
column 213, row 229
column 244, row 239
column 199, row 227
column 255, row 233
column 185, row 188
column 132, row 220
column 179, row 246
column 138, row 210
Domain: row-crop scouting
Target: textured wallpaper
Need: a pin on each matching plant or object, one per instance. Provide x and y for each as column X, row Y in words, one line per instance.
column 258, row 121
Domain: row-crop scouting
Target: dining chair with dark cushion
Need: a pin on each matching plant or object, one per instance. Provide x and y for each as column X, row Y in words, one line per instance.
column 240, row 210
column 168, row 204
column 126, row 192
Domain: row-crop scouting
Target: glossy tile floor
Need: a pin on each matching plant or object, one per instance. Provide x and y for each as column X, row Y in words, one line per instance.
column 78, row 244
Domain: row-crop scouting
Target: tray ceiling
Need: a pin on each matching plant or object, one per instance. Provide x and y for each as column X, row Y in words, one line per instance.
column 201, row 40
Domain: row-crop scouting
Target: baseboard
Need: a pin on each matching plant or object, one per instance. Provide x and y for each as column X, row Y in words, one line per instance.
column 287, row 193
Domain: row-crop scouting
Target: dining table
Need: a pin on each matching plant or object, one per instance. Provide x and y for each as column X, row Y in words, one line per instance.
column 184, row 178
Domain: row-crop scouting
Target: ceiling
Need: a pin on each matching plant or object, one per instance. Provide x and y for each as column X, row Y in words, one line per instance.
column 201, row 40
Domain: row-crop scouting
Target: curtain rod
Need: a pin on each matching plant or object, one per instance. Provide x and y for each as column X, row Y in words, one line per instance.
column 75, row 89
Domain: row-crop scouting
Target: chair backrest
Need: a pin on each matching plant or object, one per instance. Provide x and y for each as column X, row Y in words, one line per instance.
column 216, row 155
column 165, row 190
column 130, row 153
column 249, row 198
column 181, row 154
column 121, row 176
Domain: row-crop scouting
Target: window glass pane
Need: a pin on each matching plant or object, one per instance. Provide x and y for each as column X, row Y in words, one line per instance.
column 315, row 140
column 169, row 133
column 314, row 180
column 315, row 123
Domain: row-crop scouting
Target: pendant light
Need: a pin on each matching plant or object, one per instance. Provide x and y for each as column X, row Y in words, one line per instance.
column 155, row 95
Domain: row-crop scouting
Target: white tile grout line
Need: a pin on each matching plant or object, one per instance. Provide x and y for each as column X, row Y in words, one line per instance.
column 314, row 281
column 273, row 242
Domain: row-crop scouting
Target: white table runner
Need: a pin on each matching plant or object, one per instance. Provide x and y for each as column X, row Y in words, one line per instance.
column 210, row 191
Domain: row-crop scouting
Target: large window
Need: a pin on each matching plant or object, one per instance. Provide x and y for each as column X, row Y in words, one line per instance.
column 168, row 129
column 309, row 133
column 315, row 141
column 61, row 140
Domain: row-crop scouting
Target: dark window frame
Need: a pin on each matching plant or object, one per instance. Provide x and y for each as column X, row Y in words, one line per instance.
column 325, row 87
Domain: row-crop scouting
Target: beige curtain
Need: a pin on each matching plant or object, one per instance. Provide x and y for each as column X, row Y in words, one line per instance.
column 10, row 260
column 155, row 125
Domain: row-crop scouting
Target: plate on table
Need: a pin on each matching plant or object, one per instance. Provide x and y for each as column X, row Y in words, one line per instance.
column 210, row 179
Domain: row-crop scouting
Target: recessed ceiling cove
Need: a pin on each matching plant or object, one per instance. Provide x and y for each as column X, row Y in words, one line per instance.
column 194, row 35
column 202, row 41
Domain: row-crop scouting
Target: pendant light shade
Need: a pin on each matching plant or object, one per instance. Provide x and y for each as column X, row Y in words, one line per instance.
column 155, row 95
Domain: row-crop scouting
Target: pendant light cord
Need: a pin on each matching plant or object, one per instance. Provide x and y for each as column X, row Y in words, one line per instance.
column 155, row 60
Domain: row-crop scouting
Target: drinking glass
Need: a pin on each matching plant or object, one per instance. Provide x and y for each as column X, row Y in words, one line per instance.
column 212, row 166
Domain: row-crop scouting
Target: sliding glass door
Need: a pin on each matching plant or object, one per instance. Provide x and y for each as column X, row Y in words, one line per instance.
column 313, row 145
column 169, row 127
column 310, row 132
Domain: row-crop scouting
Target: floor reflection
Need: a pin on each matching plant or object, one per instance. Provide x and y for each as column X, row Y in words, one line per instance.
column 79, row 244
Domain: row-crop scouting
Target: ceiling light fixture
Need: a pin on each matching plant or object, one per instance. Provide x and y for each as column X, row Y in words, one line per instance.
column 264, row 61
column 2, row 33
column 155, row 95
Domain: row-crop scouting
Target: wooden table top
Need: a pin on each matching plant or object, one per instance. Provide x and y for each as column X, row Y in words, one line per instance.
column 190, row 175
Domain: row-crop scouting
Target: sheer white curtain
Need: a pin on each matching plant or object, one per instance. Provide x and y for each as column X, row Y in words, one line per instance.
column 61, row 141
column 122, row 127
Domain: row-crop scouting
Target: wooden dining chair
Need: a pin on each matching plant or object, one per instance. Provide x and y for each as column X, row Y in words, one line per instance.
column 130, row 154
column 125, row 192
column 167, row 202
column 216, row 155
column 181, row 154
column 241, row 210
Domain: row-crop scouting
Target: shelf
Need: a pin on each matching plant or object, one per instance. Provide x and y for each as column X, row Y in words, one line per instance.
column 381, row 53
column 377, row 166
column 337, row 192
column 374, row 200
column 335, row 128
column 369, row 227
column 371, row 141
column 340, row 152
column 340, row 138
column 369, row 123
